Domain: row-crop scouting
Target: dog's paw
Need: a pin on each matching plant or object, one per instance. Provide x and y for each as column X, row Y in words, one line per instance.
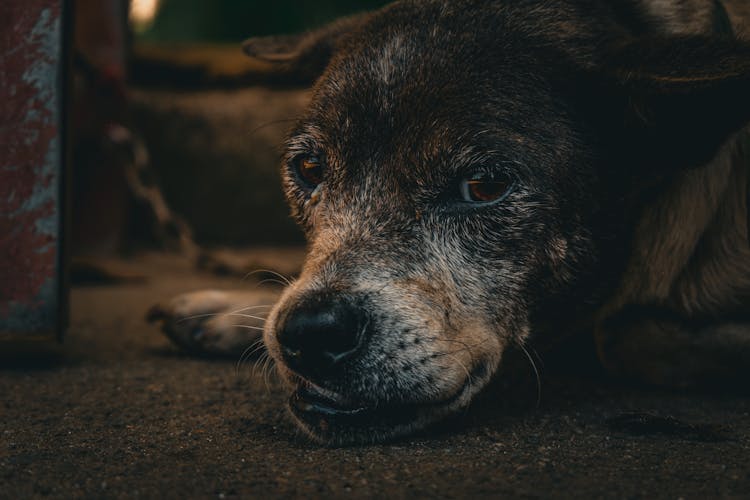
column 212, row 322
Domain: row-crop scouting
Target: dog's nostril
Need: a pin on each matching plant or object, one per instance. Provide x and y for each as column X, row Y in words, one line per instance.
column 319, row 335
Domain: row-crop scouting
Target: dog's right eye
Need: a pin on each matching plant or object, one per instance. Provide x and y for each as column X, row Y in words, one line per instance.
column 309, row 169
column 486, row 189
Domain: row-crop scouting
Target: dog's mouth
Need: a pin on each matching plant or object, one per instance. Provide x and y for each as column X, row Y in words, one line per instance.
column 310, row 399
column 335, row 419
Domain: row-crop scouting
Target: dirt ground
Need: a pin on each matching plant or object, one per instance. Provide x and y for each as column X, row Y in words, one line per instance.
column 119, row 412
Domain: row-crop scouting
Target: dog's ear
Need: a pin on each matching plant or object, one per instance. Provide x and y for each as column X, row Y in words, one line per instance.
column 681, row 98
column 303, row 57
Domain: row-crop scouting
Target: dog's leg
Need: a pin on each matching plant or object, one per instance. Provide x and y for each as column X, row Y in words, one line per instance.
column 671, row 352
column 215, row 323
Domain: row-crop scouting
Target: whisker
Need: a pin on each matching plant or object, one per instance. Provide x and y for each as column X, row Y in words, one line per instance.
column 208, row 315
column 454, row 358
column 469, row 378
column 267, row 366
column 538, row 357
column 247, row 352
column 248, row 327
column 285, row 279
column 258, row 364
column 253, row 307
column 260, row 318
column 251, row 349
column 536, row 373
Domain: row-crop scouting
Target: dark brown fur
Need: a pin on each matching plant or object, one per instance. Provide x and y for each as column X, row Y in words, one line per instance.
column 622, row 124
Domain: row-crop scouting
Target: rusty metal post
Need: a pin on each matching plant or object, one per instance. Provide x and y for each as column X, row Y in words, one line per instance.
column 32, row 298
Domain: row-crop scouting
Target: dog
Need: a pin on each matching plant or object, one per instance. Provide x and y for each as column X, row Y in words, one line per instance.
column 479, row 174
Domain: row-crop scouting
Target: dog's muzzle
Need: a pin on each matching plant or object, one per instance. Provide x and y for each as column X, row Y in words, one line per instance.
column 325, row 342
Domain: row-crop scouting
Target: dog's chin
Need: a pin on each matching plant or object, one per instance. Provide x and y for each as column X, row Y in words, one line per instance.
column 334, row 420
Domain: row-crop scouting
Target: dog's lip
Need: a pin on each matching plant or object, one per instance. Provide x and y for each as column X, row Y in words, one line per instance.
column 326, row 409
column 309, row 398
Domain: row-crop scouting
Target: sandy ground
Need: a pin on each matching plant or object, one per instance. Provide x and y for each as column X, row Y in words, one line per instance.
column 119, row 412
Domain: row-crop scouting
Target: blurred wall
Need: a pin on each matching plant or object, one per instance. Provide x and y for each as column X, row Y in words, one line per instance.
column 31, row 141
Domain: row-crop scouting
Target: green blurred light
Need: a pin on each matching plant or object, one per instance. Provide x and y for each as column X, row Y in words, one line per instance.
column 235, row 20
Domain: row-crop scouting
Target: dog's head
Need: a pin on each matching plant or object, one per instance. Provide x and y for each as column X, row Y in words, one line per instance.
column 460, row 174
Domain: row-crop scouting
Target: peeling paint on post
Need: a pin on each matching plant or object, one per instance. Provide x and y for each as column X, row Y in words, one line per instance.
column 31, row 163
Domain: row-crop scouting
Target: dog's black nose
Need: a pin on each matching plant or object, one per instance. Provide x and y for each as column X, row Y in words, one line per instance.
column 319, row 335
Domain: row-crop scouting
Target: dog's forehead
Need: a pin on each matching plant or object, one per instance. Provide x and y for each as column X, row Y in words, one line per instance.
column 434, row 86
column 422, row 59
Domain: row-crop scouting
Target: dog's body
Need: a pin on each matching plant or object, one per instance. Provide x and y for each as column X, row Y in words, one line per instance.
column 474, row 174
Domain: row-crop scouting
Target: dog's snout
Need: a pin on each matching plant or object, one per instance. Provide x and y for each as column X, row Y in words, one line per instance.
column 318, row 336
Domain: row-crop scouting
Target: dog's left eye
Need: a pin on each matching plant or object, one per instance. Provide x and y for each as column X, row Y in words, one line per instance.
column 485, row 188
column 309, row 169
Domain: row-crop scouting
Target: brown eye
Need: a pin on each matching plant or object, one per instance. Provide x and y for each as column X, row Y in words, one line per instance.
column 485, row 189
column 310, row 170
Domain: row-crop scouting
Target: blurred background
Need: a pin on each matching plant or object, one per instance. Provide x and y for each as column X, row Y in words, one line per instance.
column 138, row 127
column 233, row 20
column 204, row 123
column 139, row 160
